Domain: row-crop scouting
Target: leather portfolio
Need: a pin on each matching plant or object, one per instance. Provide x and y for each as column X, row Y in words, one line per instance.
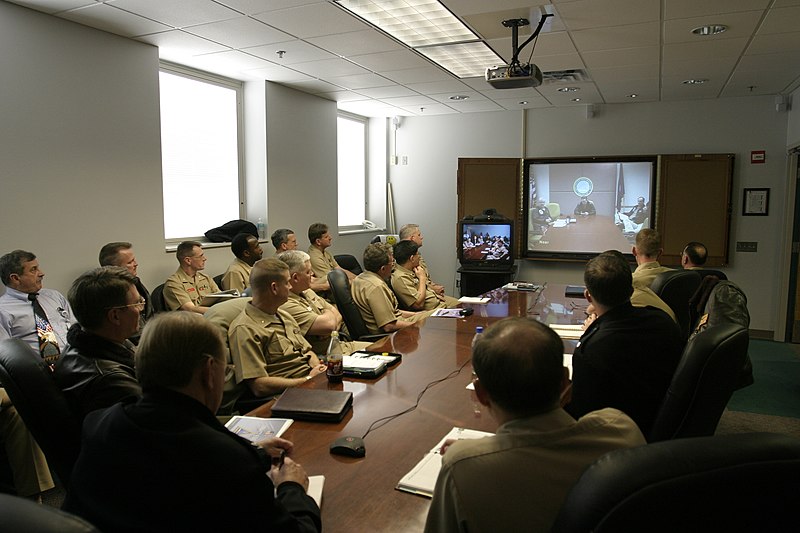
column 315, row 405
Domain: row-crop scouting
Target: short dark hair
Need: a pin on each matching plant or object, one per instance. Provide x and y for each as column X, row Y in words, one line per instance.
column 11, row 263
column 96, row 291
column 519, row 362
column 316, row 231
column 608, row 279
column 696, row 252
column 186, row 249
column 173, row 346
column 403, row 250
column 110, row 252
column 648, row 242
column 265, row 271
column 375, row 256
column 239, row 244
column 280, row 236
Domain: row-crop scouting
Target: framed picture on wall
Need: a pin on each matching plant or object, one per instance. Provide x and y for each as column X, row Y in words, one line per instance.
column 755, row 202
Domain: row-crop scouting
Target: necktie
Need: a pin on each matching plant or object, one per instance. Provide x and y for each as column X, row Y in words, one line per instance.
column 48, row 343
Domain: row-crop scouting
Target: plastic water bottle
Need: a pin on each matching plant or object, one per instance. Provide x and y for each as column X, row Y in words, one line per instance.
column 262, row 229
column 334, row 359
column 478, row 333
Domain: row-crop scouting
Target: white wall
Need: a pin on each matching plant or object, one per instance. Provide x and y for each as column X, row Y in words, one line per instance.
column 793, row 130
column 708, row 126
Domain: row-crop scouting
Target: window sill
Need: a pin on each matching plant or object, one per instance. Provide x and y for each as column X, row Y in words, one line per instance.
column 362, row 230
column 173, row 247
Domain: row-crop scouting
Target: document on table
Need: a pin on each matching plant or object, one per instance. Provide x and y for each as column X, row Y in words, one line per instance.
column 256, row 429
column 473, row 300
column 421, row 480
column 568, row 331
column 315, row 485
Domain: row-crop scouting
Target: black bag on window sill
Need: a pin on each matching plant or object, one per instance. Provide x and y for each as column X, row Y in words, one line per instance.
column 227, row 231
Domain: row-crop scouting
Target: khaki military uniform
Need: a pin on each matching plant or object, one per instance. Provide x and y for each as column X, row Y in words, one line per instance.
column 405, row 284
column 237, row 276
column 375, row 300
column 180, row 289
column 321, row 262
column 305, row 308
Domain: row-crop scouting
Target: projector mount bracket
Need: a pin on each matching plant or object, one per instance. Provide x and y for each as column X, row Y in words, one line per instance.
column 515, row 24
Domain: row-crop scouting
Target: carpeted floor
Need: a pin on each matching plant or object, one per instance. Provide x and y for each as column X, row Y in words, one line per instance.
column 776, row 391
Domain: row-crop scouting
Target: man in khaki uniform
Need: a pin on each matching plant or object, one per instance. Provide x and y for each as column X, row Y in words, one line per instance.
column 411, row 232
column 410, row 282
column 268, row 350
column 375, row 300
column 647, row 250
column 322, row 261
column 184, row 290
column 283, row 240
column 315, row 317
column 247, row 251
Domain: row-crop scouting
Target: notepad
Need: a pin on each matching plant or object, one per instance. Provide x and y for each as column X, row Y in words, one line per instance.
column 363, row 367
column 421, row 480
column 473, row 300
column 449, row 313
column 568, row 331
column 216, row 297
column 256, row 429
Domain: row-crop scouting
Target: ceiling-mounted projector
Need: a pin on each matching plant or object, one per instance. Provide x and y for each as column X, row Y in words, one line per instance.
column 516, row 77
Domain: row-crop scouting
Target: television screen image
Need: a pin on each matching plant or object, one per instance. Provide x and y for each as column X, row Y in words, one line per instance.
column 483, row 243
column 576, row 208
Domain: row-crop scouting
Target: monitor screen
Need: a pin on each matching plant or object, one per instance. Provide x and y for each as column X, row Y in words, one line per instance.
column 576, row 208
column 486, row 243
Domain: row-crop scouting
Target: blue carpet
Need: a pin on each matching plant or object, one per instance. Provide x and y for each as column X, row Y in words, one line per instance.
column 776, row 391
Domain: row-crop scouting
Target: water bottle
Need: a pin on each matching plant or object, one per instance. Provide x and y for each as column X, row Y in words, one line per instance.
column 262, row 229
column 478, row 333
column 334, row 359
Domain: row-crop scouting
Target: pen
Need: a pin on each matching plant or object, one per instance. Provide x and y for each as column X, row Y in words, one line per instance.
column 280, row 460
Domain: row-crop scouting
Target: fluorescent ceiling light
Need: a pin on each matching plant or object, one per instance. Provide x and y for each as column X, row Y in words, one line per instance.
column 431, row 29
column 468, row 60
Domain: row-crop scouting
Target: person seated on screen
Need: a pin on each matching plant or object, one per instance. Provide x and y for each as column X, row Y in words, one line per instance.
column 247, row 251
column 540, row 217
column 409, row 281
column 517, row 479
column 411, row 232
column 96, row 369
column 585, row 207
column 268, row 349
column 165, row 463
column 694, row 256
column 184, row 290
column 639, row 212
column 315, row 317
column 375, row 300
column 626, row 358
column 647, row 249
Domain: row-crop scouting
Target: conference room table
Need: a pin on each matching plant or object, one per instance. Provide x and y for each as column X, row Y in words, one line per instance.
column 359, row 493
column 596, row 232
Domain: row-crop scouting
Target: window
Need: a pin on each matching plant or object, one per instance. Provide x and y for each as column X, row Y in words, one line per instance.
column 352, row 170
column 200, row 151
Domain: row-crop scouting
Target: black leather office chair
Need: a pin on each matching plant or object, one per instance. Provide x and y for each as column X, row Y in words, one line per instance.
column 707, row 375
column 349, row 262
column 340, row 288
column 218, row 280
column 676, row 289
column 42, row 406
column 157, row 297
column 739, row 482
column 710, row 272
column 25, row 516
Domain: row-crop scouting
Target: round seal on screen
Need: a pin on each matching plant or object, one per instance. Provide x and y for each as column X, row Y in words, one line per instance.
column 583, row 186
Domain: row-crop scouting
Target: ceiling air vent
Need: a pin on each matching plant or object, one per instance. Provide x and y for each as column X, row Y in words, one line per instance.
column 565, row 76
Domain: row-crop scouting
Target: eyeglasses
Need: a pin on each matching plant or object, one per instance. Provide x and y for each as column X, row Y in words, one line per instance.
column 139, row 305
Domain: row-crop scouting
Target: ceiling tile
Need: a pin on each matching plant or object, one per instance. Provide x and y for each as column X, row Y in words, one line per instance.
column 362, row 82
column 681, row 9
column 647, row 55
column 430, row 109
column 178, row 13
column 229, row 62
column 242, row 32
column 714, row 69
column 325, row 68
column 472, row 96
column 409, row 101
column 477, row 106
column 295, row 52
column 395, row 60
column 633, row 72
column 417, row 75
column 391, row 91
column 532, row 102
column 356, row 42
column 279, row 74
column 371, row 108
column 251, row 7
column 174, row 45
column 110, row 19
column 312, row 20
column 618, row 92
column 776, row 42
column 781, row 20
column 439, row 87
column 53, row 6
column 584, row 14
column 708, row 49
column 631, row 36
column 558, row 62
column 313, row 86
column 342, row 96
column 739, row 25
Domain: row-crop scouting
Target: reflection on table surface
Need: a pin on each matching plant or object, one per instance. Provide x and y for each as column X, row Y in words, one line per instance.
column 360, row 494
column 595, row 233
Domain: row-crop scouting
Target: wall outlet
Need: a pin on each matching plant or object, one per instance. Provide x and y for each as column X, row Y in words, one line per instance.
column 746, row 246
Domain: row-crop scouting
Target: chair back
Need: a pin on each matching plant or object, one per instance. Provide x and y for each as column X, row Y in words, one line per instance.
column 676, row 288
column 157, row 297
column 218, row 280
column 555, row 209
column 710, row 272
column 25, row 516
column 340, row 288
column 386, row 238
column 349, row 262
column 738, row 482
column 41, row 404
column 707, row 374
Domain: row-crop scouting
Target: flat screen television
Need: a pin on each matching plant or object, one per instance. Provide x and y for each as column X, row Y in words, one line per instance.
column 577, row 207
column 486, row 244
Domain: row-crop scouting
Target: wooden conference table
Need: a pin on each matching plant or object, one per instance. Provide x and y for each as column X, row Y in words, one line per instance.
column 596, row 232
column 359, row 494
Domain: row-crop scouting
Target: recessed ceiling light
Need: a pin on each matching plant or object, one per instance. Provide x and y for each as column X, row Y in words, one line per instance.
column 633, row 95
column 524, row 102
column 576, row 99
column 569, row 89
column 710, row 29
column 459, row 97
column 698, row 81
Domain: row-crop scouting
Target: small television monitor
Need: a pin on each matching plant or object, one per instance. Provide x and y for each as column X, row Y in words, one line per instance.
column 577, row 207
column 486, row 243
